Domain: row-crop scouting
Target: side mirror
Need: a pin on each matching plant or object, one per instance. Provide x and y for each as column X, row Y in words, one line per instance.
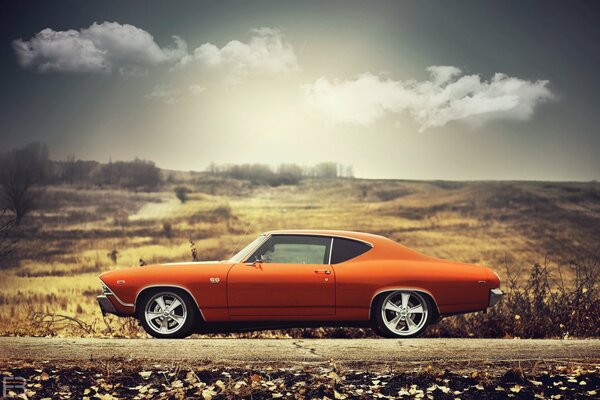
column 259, row 260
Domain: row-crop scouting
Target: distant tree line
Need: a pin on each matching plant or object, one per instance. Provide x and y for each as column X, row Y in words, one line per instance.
column 136, row 175
column 25, row 171
column 283, row 174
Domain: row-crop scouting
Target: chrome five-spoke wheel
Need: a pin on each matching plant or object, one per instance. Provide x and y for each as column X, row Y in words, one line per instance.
column 167, row 314
column 402, row 314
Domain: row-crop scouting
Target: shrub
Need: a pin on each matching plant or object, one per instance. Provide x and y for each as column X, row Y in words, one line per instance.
column 113, row 255
column 168, row 230
column 546, row 306
column 181, row 193
column 222, row 212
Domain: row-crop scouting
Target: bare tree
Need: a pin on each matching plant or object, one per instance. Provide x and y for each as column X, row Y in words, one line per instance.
column 7, row 242
column 21, row 170
column 326, row 170
column 136, row 174
column 70, row 166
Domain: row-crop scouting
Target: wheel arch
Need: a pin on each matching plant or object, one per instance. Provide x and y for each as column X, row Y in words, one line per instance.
column 384, row 291
column 151, row 288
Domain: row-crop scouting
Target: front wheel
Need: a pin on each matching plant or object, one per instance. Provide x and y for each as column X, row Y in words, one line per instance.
column 167, row 314
column 402, row 314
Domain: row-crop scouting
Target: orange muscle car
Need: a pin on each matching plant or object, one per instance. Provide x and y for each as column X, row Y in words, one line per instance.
column 301, row 278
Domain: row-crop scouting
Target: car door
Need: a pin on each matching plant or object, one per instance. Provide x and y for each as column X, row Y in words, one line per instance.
column 287, row 276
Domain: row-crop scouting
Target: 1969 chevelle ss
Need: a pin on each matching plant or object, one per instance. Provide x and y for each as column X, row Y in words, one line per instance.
column 301, row 278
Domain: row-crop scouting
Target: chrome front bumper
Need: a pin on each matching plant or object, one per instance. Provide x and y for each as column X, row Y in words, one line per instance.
column 105, row 305
column 495, row 297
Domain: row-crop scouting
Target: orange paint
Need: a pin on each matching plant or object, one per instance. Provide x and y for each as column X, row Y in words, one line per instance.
column 263, row 291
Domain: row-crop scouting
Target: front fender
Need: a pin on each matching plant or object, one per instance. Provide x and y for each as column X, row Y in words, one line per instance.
column 205, row 282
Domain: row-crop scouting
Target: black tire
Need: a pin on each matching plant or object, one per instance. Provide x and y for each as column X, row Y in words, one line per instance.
column 180, row 322
column 420, row 322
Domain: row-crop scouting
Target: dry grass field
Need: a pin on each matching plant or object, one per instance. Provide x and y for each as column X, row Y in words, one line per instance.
column 76, row 233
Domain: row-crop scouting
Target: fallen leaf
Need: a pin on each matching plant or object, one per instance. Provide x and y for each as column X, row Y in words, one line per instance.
column 220, row 384
column 239, row 384
column 177, row 384
column 334, row 376
column 208, row 394
column 444, row 389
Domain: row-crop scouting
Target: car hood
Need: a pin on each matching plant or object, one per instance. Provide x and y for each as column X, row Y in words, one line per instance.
column 163, row 271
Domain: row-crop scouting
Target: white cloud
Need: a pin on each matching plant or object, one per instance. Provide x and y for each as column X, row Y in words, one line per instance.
column 266, row 52
column 195, row 90
column 443, row 73
column 445, row 97
column 169, row 94
column 165, row 93
column 100, row 48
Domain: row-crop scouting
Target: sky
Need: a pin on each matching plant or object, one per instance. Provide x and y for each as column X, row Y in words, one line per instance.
column 453, row 90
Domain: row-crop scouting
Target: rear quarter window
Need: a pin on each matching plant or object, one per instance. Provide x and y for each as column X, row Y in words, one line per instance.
column 347, row 249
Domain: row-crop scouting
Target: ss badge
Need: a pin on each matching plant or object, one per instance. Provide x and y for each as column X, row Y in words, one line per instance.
column 215, row 280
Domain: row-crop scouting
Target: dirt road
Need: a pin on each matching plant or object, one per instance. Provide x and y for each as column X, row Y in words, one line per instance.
column 346, row 351
column 311, row 368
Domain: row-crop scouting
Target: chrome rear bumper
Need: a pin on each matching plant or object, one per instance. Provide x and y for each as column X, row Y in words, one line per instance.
column 495, row 297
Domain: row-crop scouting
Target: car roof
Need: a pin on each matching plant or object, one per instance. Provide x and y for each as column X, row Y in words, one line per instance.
column 365, row 237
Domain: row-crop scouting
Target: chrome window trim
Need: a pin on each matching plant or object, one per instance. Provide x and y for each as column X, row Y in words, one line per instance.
column 349, row 238
column 412, row 289
column 111, row 293
column 331, row 235
column 251, row 251
column 268, row 236
column 173, row 286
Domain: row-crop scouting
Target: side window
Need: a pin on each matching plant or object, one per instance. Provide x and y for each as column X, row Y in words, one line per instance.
column 294, row 249
column 346, row 249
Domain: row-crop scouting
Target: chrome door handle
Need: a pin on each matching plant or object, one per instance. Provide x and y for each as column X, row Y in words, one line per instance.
column 323, row 271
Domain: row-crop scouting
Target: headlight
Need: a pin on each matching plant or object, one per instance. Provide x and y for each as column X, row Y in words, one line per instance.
column 105, row 289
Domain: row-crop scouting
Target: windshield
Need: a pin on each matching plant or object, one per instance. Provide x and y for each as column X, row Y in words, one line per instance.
column 240, row 254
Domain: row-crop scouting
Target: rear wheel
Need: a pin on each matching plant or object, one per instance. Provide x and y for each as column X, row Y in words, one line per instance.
column 167, row 313
column 402, row 314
